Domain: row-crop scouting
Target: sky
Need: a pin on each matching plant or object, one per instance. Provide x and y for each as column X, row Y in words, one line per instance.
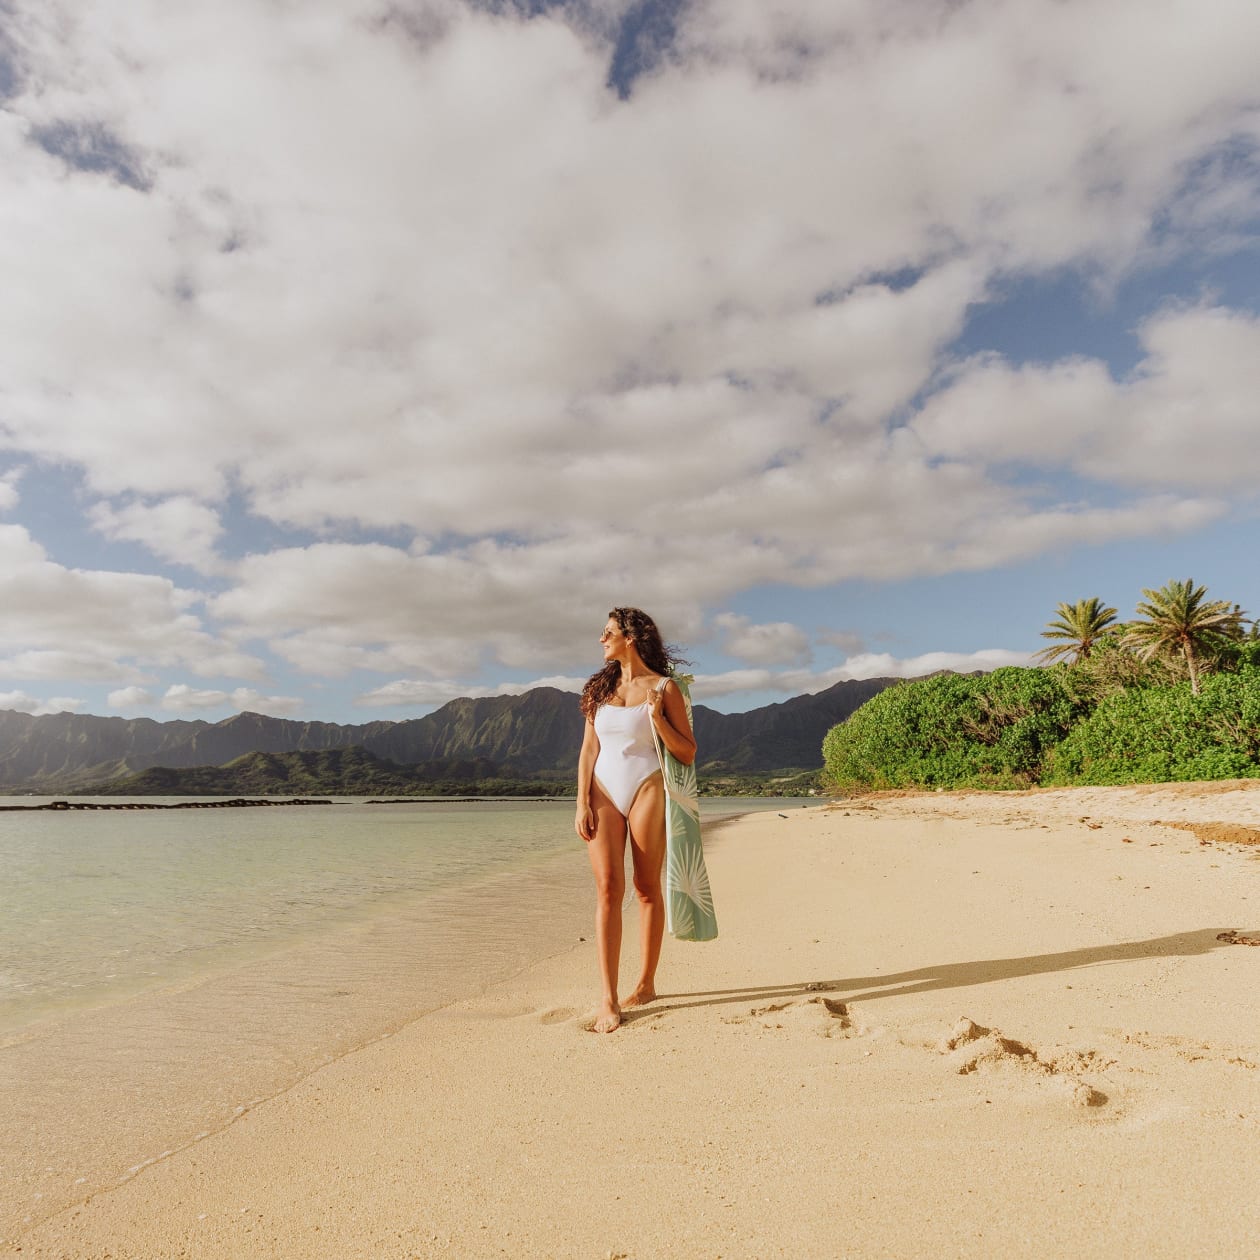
column 356, row 355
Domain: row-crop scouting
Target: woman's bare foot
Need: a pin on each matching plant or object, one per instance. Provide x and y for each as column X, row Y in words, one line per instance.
column 644, row 994
column 609, row 1018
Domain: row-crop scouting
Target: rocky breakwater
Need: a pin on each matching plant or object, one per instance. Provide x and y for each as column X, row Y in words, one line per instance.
column 235, row 802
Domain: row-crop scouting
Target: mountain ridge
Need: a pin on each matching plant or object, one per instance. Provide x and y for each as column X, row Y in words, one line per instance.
column 537, row 732
column 329, row 772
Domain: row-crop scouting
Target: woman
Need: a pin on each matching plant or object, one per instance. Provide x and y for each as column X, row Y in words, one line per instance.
column 620, row 791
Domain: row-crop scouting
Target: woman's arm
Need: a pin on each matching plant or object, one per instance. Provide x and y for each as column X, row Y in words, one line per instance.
column 669, row 715
column 584, row 823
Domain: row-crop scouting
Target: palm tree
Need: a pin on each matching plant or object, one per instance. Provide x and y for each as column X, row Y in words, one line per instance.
column 1177, row 620
column 1082, row 624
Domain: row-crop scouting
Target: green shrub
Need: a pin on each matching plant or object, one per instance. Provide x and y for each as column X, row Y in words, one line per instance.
column 1112, row 668
column 1161, row 734
column 992, row 730
column 1245, row 654
column 1017, row 727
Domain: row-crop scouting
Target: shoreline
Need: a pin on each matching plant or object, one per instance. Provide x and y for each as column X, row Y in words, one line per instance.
column 193, row 1055
column 273, row 1018
column 1016, row 1020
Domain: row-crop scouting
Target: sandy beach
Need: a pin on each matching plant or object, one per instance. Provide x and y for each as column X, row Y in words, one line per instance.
column 944, row 1025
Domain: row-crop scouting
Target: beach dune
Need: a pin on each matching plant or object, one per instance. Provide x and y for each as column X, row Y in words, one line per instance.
column 942, row 1025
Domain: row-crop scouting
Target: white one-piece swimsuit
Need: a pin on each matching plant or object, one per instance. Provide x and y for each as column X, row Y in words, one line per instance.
column 627, row 754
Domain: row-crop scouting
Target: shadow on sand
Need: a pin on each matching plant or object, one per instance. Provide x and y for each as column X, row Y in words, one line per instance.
column 958, row 975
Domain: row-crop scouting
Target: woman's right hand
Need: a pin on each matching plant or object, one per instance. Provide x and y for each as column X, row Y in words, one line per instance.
column 584, row 823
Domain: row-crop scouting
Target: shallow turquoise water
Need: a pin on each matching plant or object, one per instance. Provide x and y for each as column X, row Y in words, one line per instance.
column 98, row 904
column 103, row 904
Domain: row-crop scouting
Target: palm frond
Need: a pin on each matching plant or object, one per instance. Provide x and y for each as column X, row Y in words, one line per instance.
column 1178, row 620
column 1080, row 625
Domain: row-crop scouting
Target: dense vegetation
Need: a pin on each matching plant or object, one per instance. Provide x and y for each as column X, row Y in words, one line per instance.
column 783, row 783
column 952, row 730
column 1161, row 734
column 1174, row 694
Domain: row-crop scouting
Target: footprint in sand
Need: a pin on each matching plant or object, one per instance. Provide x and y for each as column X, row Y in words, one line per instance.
column 1185, row 1048
column 757, row 1011
column 827, row 1017
column 838, row 1020
column 1235, row 937
column 973, row 1048
column 557, row 1015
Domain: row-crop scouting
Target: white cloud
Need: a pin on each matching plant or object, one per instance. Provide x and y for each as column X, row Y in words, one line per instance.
column 82, row 666
column 869, row 665
column 421, row 693
column 24, row 703
column 129, row 698
column 773, row 643
column 445, row 339
column 9, row 496
column 99, row 623
column 181, row 698
column 1184, row 417
column 583, row 351
column 883, row 665
column 178, row 529
column 848, row 641
column 339, row 606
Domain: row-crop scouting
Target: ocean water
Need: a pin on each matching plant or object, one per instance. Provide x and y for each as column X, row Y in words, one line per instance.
column 163, row 971
column 101, row 904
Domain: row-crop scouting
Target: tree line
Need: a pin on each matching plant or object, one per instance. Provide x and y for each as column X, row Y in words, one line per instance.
column 1173, row 693
column 1176, row 626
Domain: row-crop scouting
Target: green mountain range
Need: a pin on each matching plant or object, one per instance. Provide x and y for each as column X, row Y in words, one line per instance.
column 533, row 737
column 332, row 772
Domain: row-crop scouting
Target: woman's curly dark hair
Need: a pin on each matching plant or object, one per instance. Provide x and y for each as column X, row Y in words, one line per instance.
column 657, row 655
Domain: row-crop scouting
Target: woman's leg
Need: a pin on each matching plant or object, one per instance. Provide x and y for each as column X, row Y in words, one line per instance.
column 647, row 849
column 607, row 849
